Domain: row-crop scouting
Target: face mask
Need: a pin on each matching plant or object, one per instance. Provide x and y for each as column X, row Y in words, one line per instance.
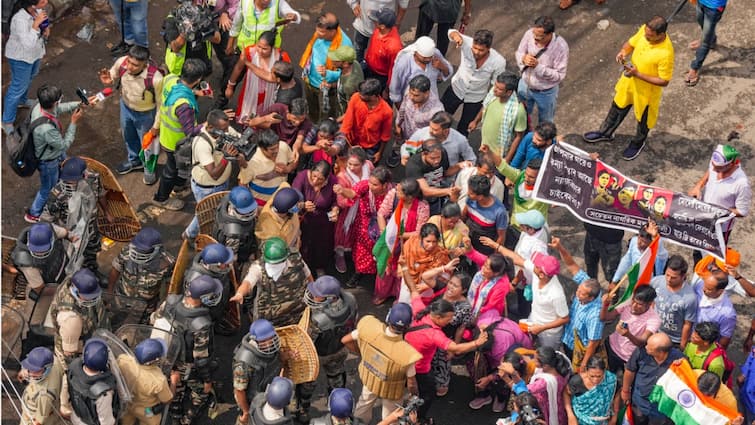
column 40, row 378
column 82, row 302
column 275, row 270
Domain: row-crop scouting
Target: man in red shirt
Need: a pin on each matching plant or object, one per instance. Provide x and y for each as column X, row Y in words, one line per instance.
column 385, row 44
column 367, row 121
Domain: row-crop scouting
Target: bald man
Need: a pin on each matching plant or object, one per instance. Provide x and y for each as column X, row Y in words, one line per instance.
column 642, row 371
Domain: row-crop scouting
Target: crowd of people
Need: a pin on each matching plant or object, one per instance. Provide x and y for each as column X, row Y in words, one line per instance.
column 310, row 208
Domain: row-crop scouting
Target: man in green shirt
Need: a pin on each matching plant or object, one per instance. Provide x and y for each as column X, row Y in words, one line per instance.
column 504, row 119
column 344, row 58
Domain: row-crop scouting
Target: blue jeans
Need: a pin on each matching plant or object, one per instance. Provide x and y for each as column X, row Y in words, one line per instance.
column 21, row 75
column 134, row 27
column 199, row 194
column 48, row 176
column 134, row 125
column 707, row 18
column 545, row 101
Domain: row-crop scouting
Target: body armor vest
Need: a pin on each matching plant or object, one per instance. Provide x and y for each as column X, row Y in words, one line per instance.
column 84, row 390
column 264, row 367
column 256, row 416
column 332, row 322
column 92, row 317
column 282, row 302
column 52, row 267
column 185, row 321
column 233, row 232
column 196, row 270
column 142, row 280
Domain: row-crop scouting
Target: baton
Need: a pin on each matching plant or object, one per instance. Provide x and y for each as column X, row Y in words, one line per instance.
column 676, row 11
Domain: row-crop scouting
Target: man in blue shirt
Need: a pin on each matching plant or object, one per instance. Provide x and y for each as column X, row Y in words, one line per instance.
column 709, row 12
column 534, row 144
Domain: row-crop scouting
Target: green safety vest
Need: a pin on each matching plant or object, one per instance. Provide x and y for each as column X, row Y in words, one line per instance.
column 252, row 26
column 170, row 128
column 175, row 61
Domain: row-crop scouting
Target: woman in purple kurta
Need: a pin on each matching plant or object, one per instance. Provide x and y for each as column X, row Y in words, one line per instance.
column 319, row 215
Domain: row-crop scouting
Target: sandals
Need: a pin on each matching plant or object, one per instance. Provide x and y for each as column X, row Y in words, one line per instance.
column 691, row 81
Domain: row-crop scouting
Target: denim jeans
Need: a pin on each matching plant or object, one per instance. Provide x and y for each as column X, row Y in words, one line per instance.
column 545, row 101
column 360, row 45
column 48, row 176
column 707, row 18
column 134, row 28
column 134, row 125
column 199, row 194
column 21, row 75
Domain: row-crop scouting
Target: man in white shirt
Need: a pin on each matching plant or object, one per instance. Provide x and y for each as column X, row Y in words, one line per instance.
column 485, row 167
column 364, row 26
column 478, row 69
column 456, row 145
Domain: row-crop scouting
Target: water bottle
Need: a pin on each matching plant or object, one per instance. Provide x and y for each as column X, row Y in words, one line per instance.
column 148, row 412
column 46, row 23
column 325, row 99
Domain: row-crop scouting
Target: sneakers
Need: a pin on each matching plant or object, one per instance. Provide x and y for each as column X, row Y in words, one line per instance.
column 341, row 263
column 632, row 151
column 595, row 137
column 120, row 49
column 28, row 104
column 171, row 204
column 181, row 192
column 393, row 160
column 498, row 406
column 149, row 179
column 31, row 218
column 128, row 166
column 479, row 402
column 353, row 282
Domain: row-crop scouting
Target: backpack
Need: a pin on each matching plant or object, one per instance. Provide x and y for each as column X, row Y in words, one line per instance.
column 149, row 85
column 23, row 159
column 185, row 156
column 729, row 365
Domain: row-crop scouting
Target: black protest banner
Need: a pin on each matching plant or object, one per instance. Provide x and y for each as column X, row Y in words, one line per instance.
column 597, row 193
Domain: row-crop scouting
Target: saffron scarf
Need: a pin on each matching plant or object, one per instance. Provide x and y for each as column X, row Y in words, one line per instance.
column 306, row 57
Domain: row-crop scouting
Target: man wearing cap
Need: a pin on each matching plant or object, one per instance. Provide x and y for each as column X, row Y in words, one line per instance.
column 41, row 397
column 211, row 164
column 215, row 261
column 344, row 58
column 149, row 388
column 421, row 57
column 267, row 170
column 724, row 184
column 234, row 223
column 280, row 277
column 320, row 74
column 280, row 218
column 385, row 44
column 478, row 69
column 142, row 268
column 550, row 312
column 77, row 182
column 370, row 14
column 640, row 86
column 737, row 284
column 367, row 121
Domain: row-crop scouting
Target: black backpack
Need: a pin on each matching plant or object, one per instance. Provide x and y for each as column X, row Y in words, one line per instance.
column 23, row 160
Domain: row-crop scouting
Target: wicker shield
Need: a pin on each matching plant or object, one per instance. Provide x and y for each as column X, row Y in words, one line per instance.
column 206, row 210
column 125, row 223
column 298, row 353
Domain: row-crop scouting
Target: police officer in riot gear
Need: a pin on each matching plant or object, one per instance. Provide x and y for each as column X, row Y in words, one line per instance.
column 215, row 261
column 256, row 361
column 341, row 408
column 234, row 223
column 92, row 387
column 333, row 316
column 142, row 268
column 280, row 278
column 41, row 396
column 272, row 407
column 40, row 256
column 190, row 318
column 150, row 390
column 280, row 218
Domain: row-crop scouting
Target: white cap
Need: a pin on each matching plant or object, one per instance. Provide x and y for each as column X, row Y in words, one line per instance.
column 425, row 46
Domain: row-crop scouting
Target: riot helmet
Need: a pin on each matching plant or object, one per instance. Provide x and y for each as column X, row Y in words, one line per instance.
column 71, row 172
column 145, row 246
column 399, row 317
column 274, row 250
column 217, row 258
column 286, row 201
column 279, row 392
column 322, row 291
column 96, row 355
column 150, row 349
column 263, row 334
column 38, row 363
column 40, row 240
column 85, row 287
column 206, row 289
column 244, row 205
column 341, row 403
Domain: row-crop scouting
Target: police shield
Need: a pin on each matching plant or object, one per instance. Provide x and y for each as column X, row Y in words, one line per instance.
column 125, row 310
column 116, row 349
column 132, row 335
column 12, row 327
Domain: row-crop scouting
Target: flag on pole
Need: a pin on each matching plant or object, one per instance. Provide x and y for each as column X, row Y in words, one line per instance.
column 640, row 274
column 388, row 242
column 678, row 397
column 625, row 415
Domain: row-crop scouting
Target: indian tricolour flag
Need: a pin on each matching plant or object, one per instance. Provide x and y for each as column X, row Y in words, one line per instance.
column 388, row 242
column 640, row 274
column 677, row 396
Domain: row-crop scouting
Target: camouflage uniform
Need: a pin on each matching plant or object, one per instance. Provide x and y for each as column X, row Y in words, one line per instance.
column 281, row 301
column 58, row 209
column 217, row 312
column 253, row 371
column 194, row 326
column 42, row 399
column 143, row 281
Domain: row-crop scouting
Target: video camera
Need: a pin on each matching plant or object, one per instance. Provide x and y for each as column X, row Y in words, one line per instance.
column 195, row 22
column 411, row 406
column 529, row 415
column 245, row 143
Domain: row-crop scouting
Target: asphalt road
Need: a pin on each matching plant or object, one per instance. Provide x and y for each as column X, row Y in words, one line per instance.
column 691, row 123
